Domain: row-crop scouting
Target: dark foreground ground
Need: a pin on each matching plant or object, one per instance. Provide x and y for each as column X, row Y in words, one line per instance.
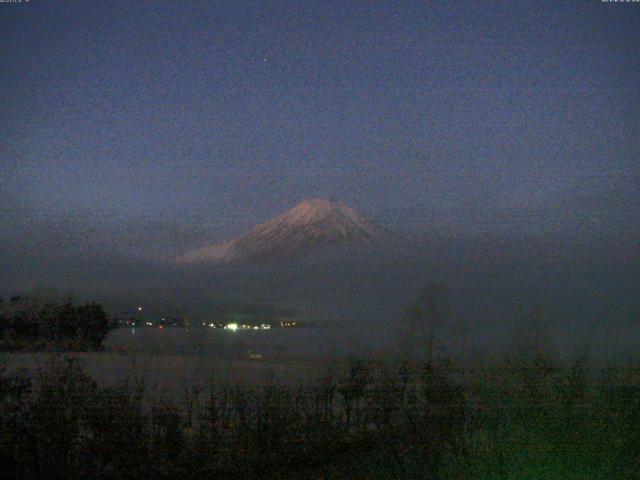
column 524, row 419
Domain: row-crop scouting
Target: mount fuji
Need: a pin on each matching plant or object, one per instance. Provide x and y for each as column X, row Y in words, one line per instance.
column 309, row 226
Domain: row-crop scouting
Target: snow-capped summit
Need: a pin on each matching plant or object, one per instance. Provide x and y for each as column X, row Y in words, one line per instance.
column 311, row 224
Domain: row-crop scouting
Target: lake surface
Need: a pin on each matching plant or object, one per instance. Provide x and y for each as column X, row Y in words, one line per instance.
column 609, row 342
column 276, row 342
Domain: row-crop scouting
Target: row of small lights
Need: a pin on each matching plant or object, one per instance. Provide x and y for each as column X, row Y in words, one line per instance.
column 150, row 324
column 234, row 326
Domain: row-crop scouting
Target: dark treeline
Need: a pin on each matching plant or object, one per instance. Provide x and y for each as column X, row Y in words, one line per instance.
column 30, row 324
column 393, row 418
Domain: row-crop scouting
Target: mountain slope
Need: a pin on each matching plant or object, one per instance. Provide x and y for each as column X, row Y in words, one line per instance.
column 311, row 224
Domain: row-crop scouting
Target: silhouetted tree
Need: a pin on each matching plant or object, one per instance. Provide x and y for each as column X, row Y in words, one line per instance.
column 93, row 324
column 533, row 338
column 27, row 323
column 429, row 313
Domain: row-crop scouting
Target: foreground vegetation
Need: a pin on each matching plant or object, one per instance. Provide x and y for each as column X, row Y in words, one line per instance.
column 385, row 419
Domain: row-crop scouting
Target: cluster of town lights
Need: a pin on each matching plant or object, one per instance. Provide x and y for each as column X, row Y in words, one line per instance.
column 235, row 326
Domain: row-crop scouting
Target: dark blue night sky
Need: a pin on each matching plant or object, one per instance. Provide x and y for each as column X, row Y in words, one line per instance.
column 144, row 121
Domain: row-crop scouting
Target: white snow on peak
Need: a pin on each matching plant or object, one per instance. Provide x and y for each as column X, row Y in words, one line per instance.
column 318, row 208
column 315, row 210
